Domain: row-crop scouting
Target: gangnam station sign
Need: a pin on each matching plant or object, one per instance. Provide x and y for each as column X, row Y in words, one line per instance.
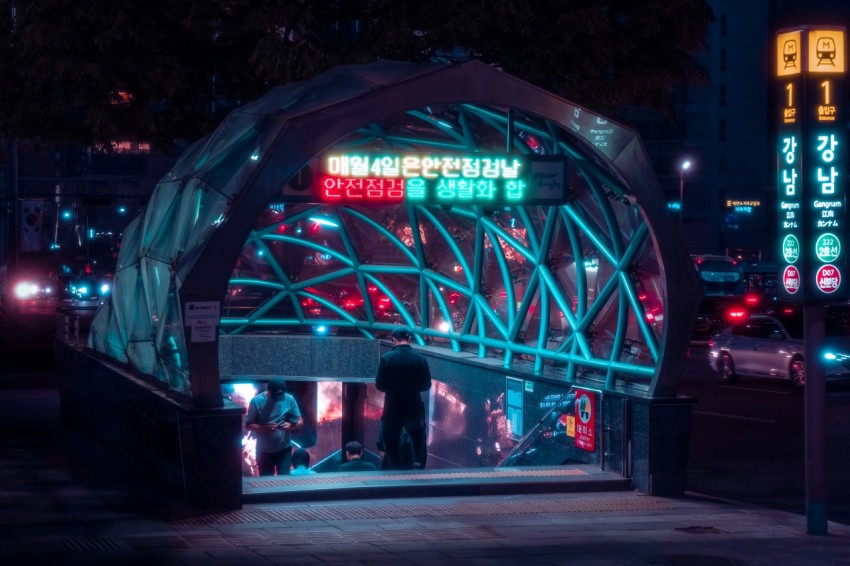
column 812, row 165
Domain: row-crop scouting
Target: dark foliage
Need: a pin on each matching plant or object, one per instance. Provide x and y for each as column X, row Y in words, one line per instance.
column 91, row 71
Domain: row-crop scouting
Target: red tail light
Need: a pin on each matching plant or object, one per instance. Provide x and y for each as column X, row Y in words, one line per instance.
column 736, row 315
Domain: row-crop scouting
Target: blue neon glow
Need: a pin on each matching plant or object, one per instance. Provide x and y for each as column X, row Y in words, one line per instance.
column 324, row 222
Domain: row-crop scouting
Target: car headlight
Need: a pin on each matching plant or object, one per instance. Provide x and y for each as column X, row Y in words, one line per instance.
column 837, row 357
column 26, row 290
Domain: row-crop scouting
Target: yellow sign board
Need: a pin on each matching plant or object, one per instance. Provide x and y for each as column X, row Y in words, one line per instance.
column 826, row 51
column 810, row 51
column 788, row 53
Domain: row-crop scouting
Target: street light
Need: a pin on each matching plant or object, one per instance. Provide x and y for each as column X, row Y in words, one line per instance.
column 683, row 166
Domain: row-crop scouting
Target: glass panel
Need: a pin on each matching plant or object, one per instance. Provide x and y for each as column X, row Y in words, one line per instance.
column 547, row 443
column 163, row 244
column 128, row 253
column 379, row 247
column 143, row 356
column 171, row 345
column 159, row 206
column 156, row 277
column 227, row 173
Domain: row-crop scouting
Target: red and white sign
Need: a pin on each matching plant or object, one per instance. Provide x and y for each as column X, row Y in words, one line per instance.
column 791, row 279
column 585, row 420
column 828, row 278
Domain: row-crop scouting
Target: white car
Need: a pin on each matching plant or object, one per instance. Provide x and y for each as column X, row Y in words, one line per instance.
column 773, row 346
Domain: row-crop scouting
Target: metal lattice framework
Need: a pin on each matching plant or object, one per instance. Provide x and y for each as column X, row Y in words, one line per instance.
column 599, row 285
column 575, row 282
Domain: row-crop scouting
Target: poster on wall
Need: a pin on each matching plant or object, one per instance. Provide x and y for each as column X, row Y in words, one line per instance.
column 585, row 420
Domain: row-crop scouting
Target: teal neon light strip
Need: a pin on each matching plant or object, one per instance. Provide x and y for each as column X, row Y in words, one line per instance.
column 313, row 246
column 543, row 329
column 581, row 274
column 619, row 335
column 607, row 213
column 399, row 306
column 301, row 285
column 431, row 286
column 507, row 280
column 533, row 242
column 590, row 233
column 450, row 242
column 386, row 233
column 515, row 244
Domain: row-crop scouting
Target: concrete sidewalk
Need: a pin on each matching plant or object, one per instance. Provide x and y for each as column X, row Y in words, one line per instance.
column 56, row 508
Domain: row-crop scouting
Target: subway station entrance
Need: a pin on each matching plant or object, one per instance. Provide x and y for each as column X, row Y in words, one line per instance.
column 522, row 239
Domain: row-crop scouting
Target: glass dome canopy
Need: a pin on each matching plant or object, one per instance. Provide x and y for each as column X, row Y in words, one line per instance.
column 570, row 289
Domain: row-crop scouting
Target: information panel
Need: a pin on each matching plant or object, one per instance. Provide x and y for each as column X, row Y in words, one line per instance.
column 585, row 411
column 811, row 164
column 439, row 177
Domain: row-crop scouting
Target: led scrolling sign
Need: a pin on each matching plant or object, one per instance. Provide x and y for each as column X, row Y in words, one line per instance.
column 811, row 164
column 437, row 178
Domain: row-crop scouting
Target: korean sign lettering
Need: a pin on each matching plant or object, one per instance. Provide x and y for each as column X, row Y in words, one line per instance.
column 811, row 163
column 373, row 178
column 424, row 178
column 585, row 410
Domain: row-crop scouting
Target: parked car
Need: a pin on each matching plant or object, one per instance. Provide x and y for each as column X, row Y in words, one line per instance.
column 89, row 288
column 771, row 345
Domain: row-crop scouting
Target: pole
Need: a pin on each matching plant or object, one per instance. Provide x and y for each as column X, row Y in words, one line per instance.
column 815, row 420
column 16, row 229
column 88, row 259
column 681, row 198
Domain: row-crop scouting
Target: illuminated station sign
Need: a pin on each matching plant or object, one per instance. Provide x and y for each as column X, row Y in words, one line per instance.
column 811, row 164
column 442, row 178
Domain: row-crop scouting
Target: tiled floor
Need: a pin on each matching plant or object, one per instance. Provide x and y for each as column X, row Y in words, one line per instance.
column 54, row 512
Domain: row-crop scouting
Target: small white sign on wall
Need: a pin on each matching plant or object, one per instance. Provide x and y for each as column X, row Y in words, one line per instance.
column 202, row 317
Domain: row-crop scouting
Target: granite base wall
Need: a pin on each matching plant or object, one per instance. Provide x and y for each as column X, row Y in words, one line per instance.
column 296, row 356
column 195, row 453
column 646, row 440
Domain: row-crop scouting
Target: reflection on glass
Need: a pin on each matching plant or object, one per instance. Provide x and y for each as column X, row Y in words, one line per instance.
column 468, row 428
column 551, row 442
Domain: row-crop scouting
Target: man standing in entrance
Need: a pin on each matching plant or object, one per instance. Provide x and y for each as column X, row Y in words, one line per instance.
column 273, row 416
column 402, row 375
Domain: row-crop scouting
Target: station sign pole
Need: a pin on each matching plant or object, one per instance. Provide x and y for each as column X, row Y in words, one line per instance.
column 812, row 231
